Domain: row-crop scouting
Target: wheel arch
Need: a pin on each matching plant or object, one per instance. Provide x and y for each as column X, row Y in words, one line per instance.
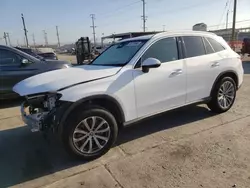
column 230, row 73
column 106, row 101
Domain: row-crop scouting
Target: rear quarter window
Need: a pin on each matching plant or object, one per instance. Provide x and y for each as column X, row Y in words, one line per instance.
column 216, row 45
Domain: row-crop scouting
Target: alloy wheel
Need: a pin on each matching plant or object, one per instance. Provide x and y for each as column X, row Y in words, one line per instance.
column 226, row 95
column 91, row 135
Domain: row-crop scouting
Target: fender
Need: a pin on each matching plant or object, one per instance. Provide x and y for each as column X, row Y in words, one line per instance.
column 219, row 77
column 79, row 102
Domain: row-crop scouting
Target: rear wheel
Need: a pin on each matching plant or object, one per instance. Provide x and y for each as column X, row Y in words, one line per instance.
column 91, row 133
column 223, row 95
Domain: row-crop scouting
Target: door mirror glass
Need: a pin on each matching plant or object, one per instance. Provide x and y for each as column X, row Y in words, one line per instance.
column 25, row 61
column 150, row 63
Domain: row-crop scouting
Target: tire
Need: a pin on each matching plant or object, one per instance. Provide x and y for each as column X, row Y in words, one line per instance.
column 217, row 101
column 71, row 136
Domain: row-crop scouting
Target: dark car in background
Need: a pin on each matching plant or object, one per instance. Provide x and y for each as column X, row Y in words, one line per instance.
column 15, row 65
column 48, row 55
column 38, row 54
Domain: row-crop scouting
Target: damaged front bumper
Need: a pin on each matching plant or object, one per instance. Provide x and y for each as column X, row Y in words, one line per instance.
column 34, row 121
column 44, row 120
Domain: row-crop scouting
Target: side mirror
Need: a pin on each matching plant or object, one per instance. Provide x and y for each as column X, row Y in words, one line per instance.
column 25, row 61
column 150, row 63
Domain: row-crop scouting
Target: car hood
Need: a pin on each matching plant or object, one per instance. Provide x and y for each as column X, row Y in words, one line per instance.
column 59, row 79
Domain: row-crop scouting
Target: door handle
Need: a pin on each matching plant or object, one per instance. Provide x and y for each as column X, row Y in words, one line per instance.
column 176, row 72
column 215, row 64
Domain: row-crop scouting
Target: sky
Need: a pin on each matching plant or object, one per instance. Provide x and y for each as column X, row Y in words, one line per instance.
column 112, row 16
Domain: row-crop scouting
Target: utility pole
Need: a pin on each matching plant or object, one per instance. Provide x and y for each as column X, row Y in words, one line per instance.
column 143, row 15
column 17, row 42
column 25, row 31
column 45, row 38
column 5, row 38
column 227, row 19
column 8, row 36
column 234, row 20
column 93, row 26
column 34, row 41
column 163, row 26
column 57, row 34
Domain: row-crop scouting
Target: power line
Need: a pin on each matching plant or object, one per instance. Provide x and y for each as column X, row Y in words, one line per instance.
column 93, row 27
column 229, row 23
column 119, row 8
column 224, row 10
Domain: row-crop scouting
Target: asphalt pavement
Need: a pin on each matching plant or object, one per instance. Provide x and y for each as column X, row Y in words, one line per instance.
column 188, row 147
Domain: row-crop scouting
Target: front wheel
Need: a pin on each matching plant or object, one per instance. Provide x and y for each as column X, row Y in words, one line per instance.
column 223, row 95
column 90, row 134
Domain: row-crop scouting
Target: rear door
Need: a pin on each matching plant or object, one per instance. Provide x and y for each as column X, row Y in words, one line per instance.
column 12, row 70
column 202, row 67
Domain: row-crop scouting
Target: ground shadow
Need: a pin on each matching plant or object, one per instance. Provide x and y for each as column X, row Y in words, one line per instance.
column 25, row 156
column 246, row 67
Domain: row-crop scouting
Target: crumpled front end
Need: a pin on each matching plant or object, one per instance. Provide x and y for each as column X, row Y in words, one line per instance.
column 42, row 112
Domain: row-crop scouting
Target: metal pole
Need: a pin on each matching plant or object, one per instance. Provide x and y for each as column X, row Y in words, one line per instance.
column 25, row 31
column 8, row 35
column 227, row 19
column 57, row 34
column 5, row 38
column 45, row 38
column 143, row 15
column 234, row 20
column 163, row 27
column 93, row 26
column 34, row 41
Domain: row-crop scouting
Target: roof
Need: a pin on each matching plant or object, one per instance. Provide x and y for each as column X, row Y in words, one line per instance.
column 170, row 33
column 130, row 34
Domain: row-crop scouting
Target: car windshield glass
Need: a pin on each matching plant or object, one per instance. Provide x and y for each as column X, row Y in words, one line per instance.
column 119, row 54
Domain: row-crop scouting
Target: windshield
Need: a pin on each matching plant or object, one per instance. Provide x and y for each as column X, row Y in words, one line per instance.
column 119, row 54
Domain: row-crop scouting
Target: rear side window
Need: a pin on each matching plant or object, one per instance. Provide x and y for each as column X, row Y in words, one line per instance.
column 164, row 50
column 208, row 47
column 216, row 45
column 194, row 46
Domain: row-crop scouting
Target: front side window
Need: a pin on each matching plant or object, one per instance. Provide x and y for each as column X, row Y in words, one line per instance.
column 194, row 46
column 164, row 50
column 119, row 54
column 216, row 45
column 8, row 58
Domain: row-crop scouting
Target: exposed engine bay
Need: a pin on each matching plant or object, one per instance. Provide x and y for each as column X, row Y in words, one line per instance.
column 39, row 111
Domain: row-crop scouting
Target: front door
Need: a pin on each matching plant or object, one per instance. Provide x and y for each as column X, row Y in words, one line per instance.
column 164, row 87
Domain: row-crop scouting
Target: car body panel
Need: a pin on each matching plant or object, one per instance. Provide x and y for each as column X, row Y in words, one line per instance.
column 58, row 79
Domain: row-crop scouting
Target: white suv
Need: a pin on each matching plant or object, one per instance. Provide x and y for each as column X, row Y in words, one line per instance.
column 131, row 80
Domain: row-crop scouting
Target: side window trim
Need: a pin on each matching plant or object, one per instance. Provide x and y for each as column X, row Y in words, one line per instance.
column 205, row 38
